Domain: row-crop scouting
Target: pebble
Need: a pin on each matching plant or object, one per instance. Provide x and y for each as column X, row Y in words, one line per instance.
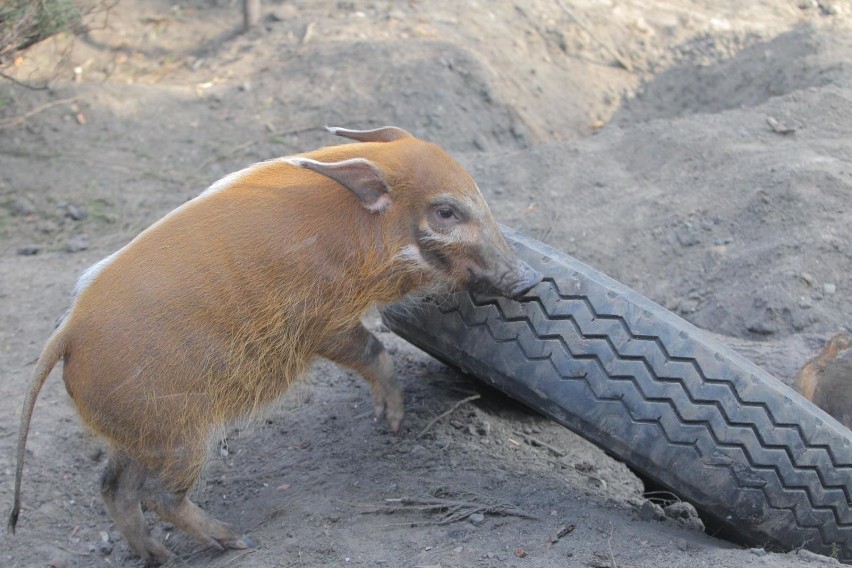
column 831, row 8
column 47, row 226
column 685, row 514
column 77, row 243
column 29, row 250
column 21, row 206
column 814, row 557
column 477, row 519
column 829, row 289
column 76, row 212
column 484, row 428
column 762, row 327
column 758, row 551
column 651, row 511
column 686, row 235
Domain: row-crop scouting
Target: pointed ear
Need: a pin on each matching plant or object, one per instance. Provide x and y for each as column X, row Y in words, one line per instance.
column 360, row 176
column 383, row 134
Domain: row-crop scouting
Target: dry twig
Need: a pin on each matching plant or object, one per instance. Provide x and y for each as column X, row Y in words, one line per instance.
column 609, row 545
column 613, row 52
column 452, row 409
column 454, row 510
column 536, row 442
column 26, row 116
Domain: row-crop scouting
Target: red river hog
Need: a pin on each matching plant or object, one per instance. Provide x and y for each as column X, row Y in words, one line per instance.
column 209, row 315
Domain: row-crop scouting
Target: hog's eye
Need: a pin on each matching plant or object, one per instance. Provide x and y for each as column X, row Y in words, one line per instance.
column 446, row 213
column 443, row 216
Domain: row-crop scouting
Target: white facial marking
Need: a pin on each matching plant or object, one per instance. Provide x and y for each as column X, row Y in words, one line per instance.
column 410, row 254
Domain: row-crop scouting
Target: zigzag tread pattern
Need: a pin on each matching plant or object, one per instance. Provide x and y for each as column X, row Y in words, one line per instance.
column 689, row 408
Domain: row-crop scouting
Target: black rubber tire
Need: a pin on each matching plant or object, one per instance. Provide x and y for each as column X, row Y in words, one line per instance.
column 655, row 392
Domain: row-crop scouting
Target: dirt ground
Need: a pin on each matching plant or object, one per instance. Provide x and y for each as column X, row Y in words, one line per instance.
column 699, row 151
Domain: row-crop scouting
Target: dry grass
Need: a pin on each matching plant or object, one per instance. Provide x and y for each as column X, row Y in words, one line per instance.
column 27, row 22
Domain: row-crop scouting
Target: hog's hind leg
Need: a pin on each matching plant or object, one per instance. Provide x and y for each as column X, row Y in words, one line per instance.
column 121, row 489
column 167, row 497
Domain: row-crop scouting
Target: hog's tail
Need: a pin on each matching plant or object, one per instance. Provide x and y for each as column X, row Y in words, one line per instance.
column 52, row 353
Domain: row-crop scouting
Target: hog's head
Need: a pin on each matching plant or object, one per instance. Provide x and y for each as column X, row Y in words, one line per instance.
column 443, row 224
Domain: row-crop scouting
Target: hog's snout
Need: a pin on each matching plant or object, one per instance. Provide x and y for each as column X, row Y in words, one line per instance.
column 512, row 282
column 528, row 278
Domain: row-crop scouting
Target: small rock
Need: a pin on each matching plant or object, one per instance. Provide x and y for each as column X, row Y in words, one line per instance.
column 809, row 280
column 831, row 8
column 758, row 551
column 695, row 523
column 686, row 235
column 77, row 243
column 814, row 557
column 47, row 226
column 21, row 205
column 334, row 518
column 829, row 289
column 484, row 428
column 651, row 511
column 76, row 212
column 635, row 502
column 779, row 127
column 685, row 514
column 283, row 13
column 520, row 552
column 29, row 250
column 762, row 327
column 58, row 563
column 477, row 519
column 688, row 305
column 680, row 510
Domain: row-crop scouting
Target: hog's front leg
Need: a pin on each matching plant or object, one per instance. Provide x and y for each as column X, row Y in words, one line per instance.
column 359, row 350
